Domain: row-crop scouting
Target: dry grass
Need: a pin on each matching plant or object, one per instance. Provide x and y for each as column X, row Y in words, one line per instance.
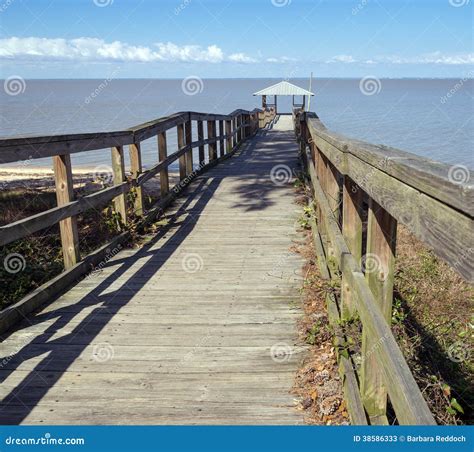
column 433, row 322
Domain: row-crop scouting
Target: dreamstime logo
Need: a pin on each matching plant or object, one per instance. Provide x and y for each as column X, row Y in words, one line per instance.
column 281, row 352
column 281, row 175
column 291, row 74
column 459, row 352
column 370, row 85
column 5, row 5
column 192, row 85
column 14, row 85
column 181, row 7
column 458, row 3
column 370, row 263
column 102, row 352
column 281, row 3
column 182, row 184
column 459, row 174
column 192, row 263
column 456, row 87
column 104, row 84
column 356, row 10
column 14, row 263
column 104, row 174
column 102, row 3
column 98, row 268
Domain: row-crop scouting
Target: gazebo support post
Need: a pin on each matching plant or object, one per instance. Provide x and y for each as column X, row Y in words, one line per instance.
column 276, row 111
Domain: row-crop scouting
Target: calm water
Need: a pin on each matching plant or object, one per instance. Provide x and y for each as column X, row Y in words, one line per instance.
column 413, row 115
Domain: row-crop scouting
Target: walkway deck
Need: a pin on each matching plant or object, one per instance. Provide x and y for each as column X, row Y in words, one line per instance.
column 181, row 330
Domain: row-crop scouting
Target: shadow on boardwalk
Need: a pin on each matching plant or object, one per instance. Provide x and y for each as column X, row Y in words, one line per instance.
column 57, row 361
column 250, row 189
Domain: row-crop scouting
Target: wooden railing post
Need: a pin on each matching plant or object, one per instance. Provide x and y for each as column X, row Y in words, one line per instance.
column 162, row 154
column 239, row 126
column 352, row 206
column 302, row 133
column 64, row 195
column 332, row 190
column 188, row 141
column 228, row 131
column 136, row 169
column 118, row 168
column 379, row 263
column 182, row 158
column 211, row 135
column 221, row 138
column 234, row 132
column 200, row 132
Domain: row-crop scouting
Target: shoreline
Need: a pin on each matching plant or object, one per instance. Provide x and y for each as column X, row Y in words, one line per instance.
column 41, row 178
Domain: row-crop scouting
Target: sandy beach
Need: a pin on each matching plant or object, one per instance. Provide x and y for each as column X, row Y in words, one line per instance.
column 85, row 178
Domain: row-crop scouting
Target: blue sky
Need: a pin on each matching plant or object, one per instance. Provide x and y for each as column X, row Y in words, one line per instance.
column 235, row 38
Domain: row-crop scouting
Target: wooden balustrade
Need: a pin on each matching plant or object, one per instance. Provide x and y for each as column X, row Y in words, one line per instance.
column 386, row 187
column 60, row 147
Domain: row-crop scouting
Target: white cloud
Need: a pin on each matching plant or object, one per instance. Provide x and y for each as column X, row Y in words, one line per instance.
column 241, row 58
column 96, row 50
column 282, row 59
column 93, row 49
column 342, row 59
column 433, row 58
column 428, row 58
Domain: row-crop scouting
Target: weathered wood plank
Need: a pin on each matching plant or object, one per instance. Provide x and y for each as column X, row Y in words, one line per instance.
column 221, row 138
column 228, row 134
column 404, row 393
column 352, row 205
column 136, row 170
column 162, row 155
column 427, row 176
column 64, row 195
column 27, row 148
column 200, row 131
column 118, row 168
column 181, row 146
column 43, row 220
column 445, row 229
column 188, row 135
column 379, row 264
column 211, row 135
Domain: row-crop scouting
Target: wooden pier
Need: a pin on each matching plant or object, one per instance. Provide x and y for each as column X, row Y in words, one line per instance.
column 198, row 326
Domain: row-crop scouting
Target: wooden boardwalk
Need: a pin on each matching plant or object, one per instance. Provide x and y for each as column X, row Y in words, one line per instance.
column 197, row 327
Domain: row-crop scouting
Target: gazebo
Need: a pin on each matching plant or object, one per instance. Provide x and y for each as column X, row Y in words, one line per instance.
column 283, row 89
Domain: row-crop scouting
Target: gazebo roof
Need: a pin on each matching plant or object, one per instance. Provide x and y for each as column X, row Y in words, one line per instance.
column 283, row 89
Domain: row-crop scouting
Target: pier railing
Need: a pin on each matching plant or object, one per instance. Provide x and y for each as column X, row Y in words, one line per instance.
column 225, row 133
column 361, row 193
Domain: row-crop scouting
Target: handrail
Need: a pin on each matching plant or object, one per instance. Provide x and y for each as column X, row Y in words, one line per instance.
column 234, row 128
column 426, row 175
column 356, row 183
column 25, row 147
column 416, row 191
